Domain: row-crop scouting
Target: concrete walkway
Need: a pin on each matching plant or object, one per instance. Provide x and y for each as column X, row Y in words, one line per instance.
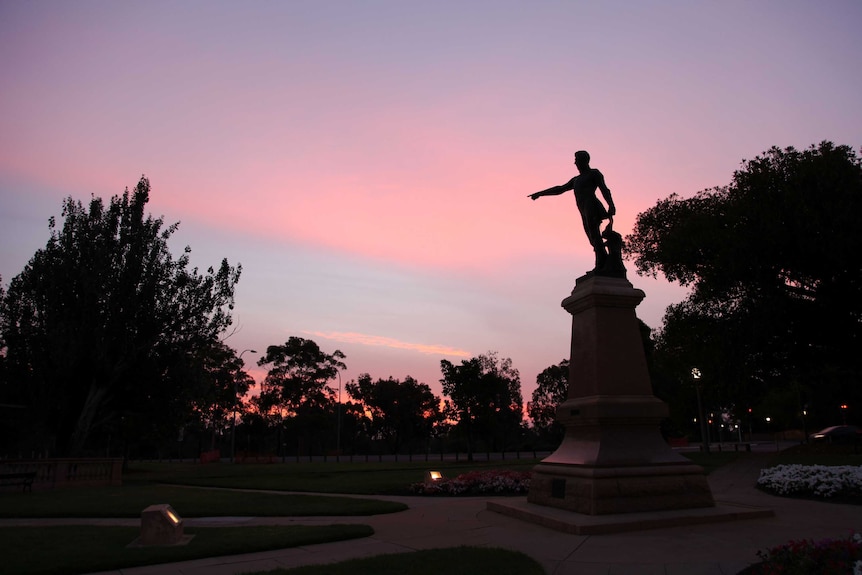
column 706, row 549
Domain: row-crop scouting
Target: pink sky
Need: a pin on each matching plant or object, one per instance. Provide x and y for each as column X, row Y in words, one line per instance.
column 368, row 162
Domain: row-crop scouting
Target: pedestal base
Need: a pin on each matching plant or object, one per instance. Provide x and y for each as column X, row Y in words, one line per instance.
column 613, row 490
column 613, row 458
column 578, row 524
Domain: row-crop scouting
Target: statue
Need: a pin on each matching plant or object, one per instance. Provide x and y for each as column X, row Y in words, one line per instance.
column 593, row 213
column 613, row 266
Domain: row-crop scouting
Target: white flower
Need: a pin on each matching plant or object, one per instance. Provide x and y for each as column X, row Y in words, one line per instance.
column 820, row 480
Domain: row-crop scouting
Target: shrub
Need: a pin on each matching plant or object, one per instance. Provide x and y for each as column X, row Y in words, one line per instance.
column 812, row 480
column 500, row 482
column 804, row 557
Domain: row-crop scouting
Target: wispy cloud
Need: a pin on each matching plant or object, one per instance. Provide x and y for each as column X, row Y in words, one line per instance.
column 381, row 341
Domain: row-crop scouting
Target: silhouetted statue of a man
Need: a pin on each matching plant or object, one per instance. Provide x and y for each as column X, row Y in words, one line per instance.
column 592, row 210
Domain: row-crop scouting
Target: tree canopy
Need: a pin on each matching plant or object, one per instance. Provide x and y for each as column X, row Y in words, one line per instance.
column 295, row 392
column 104, row 323
column 298, row 373
column 552, row 387
column 222, row 383
column 485, row 394
column 401, row 411
column 774, row 260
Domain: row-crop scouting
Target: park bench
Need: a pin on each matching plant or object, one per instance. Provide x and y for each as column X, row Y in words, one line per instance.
column 23, row 479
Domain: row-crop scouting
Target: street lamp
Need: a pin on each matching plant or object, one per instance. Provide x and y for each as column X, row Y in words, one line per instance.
column 235, row 401
column 338, row 418
column 749, row 425
column 704, row 431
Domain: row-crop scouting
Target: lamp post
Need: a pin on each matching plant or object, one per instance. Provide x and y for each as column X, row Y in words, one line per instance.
column 704, row 433
column 750, row 430
column 338, row 419
column 235, row 401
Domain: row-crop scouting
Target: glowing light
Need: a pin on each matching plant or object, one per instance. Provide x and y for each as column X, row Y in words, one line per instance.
column 433, row 476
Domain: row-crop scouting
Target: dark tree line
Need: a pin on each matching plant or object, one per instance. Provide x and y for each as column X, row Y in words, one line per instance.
column 109, row 341
column 111, row 344
column 299, row 407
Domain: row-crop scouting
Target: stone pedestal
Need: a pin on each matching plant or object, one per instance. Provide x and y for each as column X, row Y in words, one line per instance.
column 613, row 458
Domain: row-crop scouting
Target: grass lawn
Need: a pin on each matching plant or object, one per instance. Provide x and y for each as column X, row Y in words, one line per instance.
column 388, row 478
column 149, row 483
column 454, row 561
column 818, row 454
column 86, row 549
column 130, row 500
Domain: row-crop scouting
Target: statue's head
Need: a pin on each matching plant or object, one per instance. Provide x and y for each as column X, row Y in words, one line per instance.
column 582, row 158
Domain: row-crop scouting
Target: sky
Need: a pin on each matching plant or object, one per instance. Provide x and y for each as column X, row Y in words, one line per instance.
column 368, row 162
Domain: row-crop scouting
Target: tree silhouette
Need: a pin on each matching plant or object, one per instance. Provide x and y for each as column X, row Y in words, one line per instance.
column 485, row 396
column 103, row 323
column 401, row 411
column 295, row 387
column 552, row 386
column 774, row 261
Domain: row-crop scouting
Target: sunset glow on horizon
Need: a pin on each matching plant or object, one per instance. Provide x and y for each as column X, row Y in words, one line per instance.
column 368, row 163
column 377, row 340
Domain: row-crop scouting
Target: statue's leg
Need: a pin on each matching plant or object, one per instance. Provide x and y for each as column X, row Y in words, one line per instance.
column 601, row 255
column 594, row 235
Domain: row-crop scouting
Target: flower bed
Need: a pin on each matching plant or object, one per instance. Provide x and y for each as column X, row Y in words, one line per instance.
column 819, row 481
column 477, row 483
column 828, row 557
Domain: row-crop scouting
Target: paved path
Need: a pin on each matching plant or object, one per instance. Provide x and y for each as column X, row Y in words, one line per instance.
column 708, row 549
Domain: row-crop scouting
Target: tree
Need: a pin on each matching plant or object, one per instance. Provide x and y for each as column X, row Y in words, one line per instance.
column 485, row 395
column 223, row 384
column 295, row 387
column 774, row 261
column 552, row 387
column 103, row 320
column 401, row 412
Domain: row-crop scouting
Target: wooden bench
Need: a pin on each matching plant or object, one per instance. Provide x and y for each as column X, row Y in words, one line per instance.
column 24, row 479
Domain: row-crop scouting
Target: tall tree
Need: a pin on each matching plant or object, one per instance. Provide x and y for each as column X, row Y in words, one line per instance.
column 401, row 411
column 103, row 318
column 223, row 384
column 774, row 261
column 485, row 393
column 296, row 388
column 552, row 387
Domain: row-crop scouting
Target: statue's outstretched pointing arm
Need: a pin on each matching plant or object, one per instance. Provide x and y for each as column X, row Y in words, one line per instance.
column 555, row 191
